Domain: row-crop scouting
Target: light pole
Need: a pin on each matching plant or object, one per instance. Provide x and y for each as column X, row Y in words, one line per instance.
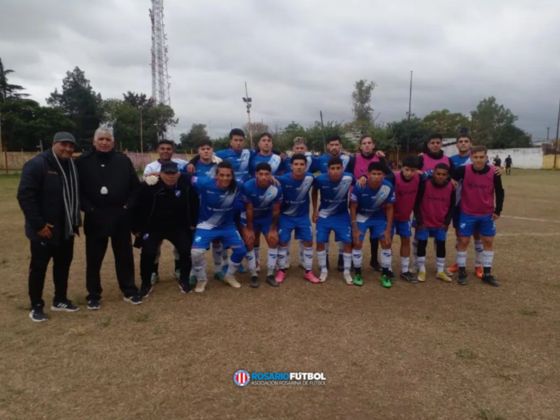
column 248, row 103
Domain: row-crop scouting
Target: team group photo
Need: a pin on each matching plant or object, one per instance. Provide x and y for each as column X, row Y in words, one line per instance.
column 279, row 210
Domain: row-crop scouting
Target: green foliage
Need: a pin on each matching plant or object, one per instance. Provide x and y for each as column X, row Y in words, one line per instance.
column 79, row 101
column 409, row 135
column 445, row 123
column 221, row 143
column 361, row 99
column 9, row 91
column 488, row 119
column 25, row 124
column 190, row 140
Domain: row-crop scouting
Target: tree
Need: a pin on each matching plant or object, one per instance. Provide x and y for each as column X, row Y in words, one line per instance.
column 7, row 90
column 361, row 102
column 284, row 140
column 190, row 140
column 80, row 102
column 510, row 136
column 446, row 123
column 25, row 124
column 315, row 140
column 409, row 135
column 488, row 119
column 221, row 143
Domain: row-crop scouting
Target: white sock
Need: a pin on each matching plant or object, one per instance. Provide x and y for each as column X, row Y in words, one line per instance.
column 421, row 263
column 251, row 263
column 386, row 258
column 440, row 264
column 357, row 258
column 232, row 268
column 282, row 254
column 217, row 251
column 272, row 260
column 322, row 257
column 199, row 266
column 478, row 248
column 308, row 258
column 487, row 258
column 225, row 256
column 404, row 264
column 257, row 251
column 461, row 258
column 301, row 248
column 347, row 262
column 340, row 248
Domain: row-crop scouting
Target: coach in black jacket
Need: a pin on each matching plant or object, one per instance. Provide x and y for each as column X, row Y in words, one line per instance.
column 48, row 195
column 108, row 184
column 167, row 210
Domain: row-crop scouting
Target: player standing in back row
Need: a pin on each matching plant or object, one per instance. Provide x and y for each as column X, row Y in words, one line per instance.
column 479, row 211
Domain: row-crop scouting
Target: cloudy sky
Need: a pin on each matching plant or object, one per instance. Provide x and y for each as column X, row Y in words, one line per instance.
column 298, row 56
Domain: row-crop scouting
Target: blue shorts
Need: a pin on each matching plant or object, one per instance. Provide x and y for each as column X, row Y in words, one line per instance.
column 340, row 224
column 301, row 224
column 261, row 225
column 228, row 235
column 403, row 229
column 482, row 224
column 438, row 234
column 376, row 228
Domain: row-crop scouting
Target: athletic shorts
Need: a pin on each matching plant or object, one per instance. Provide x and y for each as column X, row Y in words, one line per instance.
column 482, row 224
column 261, row 225
column 438, row 234
column 300, row 224
column 402, row 228
column 340, row 224
column 376, row 228
column 228, row 235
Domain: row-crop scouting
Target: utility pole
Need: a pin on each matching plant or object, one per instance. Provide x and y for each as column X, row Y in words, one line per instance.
column 409, row 113
column 2, row 145
column 547, row 133
column 323, row 131
column 556, row 139
column 249, row 102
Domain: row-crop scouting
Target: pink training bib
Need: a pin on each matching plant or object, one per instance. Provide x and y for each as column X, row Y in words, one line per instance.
column 405, row 194
column 477, row 192
column 435, row 204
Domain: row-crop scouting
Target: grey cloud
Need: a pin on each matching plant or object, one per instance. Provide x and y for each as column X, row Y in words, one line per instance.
column 298, row 57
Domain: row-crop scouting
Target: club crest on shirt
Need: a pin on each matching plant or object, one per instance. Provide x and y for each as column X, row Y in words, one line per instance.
column 178, row 193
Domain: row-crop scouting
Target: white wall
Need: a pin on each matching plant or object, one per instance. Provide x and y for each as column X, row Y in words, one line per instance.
column 526, row 158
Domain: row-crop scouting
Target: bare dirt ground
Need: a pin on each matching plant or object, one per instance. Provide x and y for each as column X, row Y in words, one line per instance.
column 426, row 351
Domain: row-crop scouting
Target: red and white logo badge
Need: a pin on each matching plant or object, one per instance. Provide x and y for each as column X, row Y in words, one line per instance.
column 241, row 378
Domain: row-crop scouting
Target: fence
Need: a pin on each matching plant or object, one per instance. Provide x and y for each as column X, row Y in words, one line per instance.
column 16, row 160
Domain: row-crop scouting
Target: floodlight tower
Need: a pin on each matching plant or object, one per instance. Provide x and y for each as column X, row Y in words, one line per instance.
column 160, row 76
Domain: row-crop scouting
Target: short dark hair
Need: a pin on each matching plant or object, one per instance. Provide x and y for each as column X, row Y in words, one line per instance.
column 442, row 166
column 263, row 166
column 205, row 142
column 226, row 164
column 411, row 162
column 335, row 160
column 476, row 149
column 265, row 134
column 236, row 132
column 365, row 136
column 165, row 141
column 334, row 137
column 376, row 166
column 435, row 136
column 466, row 136
column 299, row 156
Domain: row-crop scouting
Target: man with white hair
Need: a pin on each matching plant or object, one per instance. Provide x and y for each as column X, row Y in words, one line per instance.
column 108, row 184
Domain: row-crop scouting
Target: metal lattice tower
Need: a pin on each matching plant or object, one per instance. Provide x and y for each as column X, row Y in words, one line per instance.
column 160, row 76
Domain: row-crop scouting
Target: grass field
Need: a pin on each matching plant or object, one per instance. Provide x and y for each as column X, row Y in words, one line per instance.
column 426, row 351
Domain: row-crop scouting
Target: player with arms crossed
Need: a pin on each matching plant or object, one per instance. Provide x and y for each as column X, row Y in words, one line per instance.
column 406, row 183
column 215, row 222
column 294, row 216
column 433, row 212
column 333, row 215
column 262, row 203
column 366, row 212
column 479, row 212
